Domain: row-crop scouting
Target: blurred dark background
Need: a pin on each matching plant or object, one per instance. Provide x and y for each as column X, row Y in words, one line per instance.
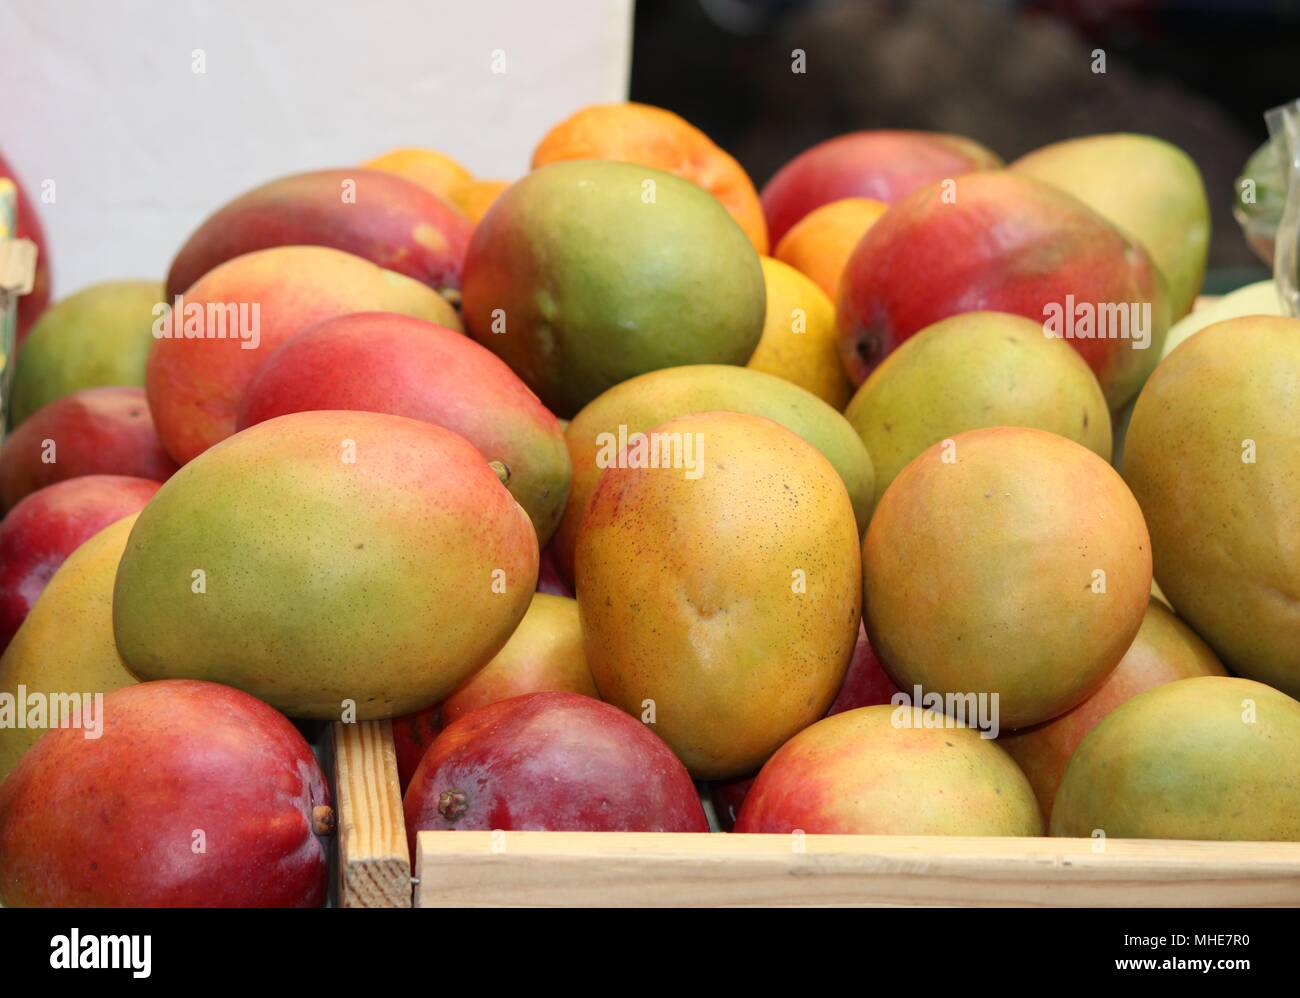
column 1014, row 74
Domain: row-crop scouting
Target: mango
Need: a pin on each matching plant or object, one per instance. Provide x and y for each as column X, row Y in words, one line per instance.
column 1213, row 456
column 192, row 795
column 1009, row 562
column 99, row 336
column 384, row 362
column 1005, row 242
column 820, row 243
column 1147, row 188
column 551, row 761
column 799, row 341
column 865, row 773
column 975, row 370
column 655, row 137
column 1213, row 758
column 38, row 534
column 718, row 587
column 881, row 165
column 96, row 431
column 325, row 560
column 1164, row 650
column 249, row 306
column 641, row 403
column 65, row 645
column 384, row 218
column 436, row 172
column 587, row 273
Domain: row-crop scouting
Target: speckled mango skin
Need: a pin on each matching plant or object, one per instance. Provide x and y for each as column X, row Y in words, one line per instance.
column 979, row 573
column 1164, row 650
column 195, row 385
column 369, row 581
column 595, row 285
column 860, row 773
column 391, row 221
column 971, row 371
column 1182, row 761
column 99, row 336
column 66, row 642
column 687, row 591
column 1226, row 533
column 653, row 398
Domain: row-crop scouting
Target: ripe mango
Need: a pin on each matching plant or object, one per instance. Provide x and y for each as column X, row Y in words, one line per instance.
column 719, row 594
column 889, row 770
column 195, row 384
column 386, row 219
column 644, row 402
column 325, row 557
column 1006, row 561
column 975, row 370
column 1213, row 456
column 1213, row 757
column 384, row 362
column 193, row 795
column 1004, row 242
column 587, row 273
column 65, row 645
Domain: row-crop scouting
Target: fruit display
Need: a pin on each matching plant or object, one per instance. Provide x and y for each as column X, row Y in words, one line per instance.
column 620, row 498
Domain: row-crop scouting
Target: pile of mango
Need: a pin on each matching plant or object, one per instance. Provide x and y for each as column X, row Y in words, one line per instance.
column 638, row 499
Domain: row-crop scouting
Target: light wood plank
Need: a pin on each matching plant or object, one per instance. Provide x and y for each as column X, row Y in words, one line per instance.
column 664, row 869
column 374, row 865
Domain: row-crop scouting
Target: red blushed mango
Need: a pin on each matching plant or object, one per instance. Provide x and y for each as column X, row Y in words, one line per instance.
column 98, row 431
column 258, row 301
column 384, row 362
column 551, row 762
column 1164, row 650
column 386, row 219
column 881, row 165
column 1005, row 243
column 890, row 771
column 114, row 821
column 652, row 136
column 32, row 304
column 38, row 534
column 344, row 560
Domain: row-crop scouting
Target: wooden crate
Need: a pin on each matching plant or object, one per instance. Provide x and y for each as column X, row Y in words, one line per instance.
column 664, row 869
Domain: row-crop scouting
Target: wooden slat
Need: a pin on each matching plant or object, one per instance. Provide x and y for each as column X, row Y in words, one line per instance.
column 374, row 866
column 616, row 869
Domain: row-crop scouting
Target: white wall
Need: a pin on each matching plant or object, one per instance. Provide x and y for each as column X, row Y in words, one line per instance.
column 102, row 99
